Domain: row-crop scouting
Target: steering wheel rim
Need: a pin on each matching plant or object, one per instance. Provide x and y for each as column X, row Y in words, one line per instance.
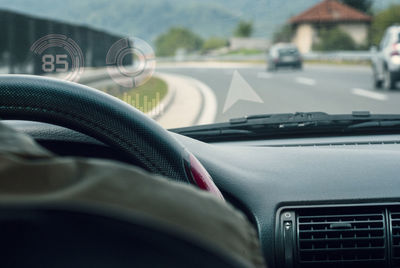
column 89, row 111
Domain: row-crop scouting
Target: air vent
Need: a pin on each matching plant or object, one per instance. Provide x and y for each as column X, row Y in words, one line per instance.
column 341, row 237
column 394, row 216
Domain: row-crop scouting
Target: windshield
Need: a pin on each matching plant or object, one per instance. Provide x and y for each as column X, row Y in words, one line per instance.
column 287, row 51
column 192, row 62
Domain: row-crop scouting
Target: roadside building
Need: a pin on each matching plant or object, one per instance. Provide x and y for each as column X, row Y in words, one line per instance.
column 328, row 14
column 236, row 43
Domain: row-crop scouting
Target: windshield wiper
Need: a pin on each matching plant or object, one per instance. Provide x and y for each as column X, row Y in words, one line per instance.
column 291, row 124
column 374, row 124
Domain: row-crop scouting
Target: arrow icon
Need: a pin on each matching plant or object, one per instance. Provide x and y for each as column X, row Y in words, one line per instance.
column 240, row 90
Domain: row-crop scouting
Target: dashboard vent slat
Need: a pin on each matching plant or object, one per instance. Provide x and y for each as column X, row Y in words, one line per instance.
column 343, row 237
column 394, row 221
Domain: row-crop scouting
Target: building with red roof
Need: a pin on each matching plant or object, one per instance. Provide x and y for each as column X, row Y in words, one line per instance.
column 328, row 14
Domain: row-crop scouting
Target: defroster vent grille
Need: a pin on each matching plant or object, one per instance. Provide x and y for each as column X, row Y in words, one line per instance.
column 394, row 219
column 342, row 238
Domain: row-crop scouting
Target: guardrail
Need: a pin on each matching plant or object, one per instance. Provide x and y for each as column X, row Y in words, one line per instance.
column 323, row 56
column 339, row 56
column 20, row 32
column 186, row 58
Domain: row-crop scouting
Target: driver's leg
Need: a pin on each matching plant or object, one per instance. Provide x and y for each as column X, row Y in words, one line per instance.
column 29, row 171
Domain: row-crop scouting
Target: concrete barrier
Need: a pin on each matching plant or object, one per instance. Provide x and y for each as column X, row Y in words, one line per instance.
column 323, row 56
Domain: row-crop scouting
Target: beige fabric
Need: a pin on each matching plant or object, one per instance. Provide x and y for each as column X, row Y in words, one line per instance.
column 29, row 172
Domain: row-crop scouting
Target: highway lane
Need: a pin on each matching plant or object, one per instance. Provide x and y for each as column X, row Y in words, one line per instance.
column 327, row 88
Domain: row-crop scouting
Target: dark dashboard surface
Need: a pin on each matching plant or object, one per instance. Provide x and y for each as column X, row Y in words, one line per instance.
column 260, row 177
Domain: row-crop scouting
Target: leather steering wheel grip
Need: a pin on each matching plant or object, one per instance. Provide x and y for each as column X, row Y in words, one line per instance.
column 96, row 114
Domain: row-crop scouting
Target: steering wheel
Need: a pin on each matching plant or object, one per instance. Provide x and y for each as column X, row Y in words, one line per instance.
column 140, row 139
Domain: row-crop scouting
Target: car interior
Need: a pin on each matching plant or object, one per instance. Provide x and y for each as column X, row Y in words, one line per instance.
column 316, row 178
column 318, row 200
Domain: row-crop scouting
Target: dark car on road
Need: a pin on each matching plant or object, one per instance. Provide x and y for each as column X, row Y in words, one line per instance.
column 283, row 55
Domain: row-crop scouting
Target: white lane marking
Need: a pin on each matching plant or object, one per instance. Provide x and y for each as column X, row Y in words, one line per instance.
column 305, row 81
column 263, row 75
column 369, row 94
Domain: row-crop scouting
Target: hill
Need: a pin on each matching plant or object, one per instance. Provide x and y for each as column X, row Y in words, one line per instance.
column 147, row 19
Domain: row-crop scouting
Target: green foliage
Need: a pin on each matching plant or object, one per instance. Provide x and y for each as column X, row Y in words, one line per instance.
column 177, row 38
column 244, row 29
column 154, row 89
column 214, row 43
column 362, row 5
column 334, row 39
column 284, row 34
column 383, row 20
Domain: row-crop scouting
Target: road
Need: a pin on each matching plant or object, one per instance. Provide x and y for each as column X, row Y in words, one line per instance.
column 327, row 88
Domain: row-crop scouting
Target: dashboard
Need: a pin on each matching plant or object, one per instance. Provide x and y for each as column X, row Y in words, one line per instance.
column 314, row 201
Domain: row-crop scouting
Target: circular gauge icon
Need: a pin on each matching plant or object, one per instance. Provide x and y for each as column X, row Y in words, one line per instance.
column 130, row 62
column 59, row 54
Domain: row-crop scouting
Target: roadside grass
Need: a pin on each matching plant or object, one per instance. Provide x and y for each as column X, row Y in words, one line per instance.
column 145, row 97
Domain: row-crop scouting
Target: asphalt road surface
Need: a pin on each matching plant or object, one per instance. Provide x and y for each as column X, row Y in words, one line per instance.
column 332, row 89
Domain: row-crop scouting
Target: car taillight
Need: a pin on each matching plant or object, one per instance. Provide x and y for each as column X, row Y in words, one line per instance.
column 200, row 176
column 395, row 50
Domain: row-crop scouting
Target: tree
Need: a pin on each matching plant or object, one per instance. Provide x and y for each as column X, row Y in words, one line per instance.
column 362, row 5
column 334, row 39
column 382, row 21
column 284, row 34
column 244, row 29
column 177, row 38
